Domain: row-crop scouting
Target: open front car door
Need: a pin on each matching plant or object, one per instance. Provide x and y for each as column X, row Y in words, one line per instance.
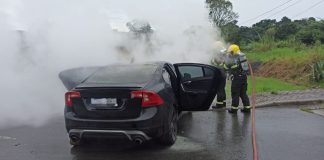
column 198, row 84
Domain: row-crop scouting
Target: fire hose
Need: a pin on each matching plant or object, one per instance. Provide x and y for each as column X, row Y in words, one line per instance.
column 254, row 143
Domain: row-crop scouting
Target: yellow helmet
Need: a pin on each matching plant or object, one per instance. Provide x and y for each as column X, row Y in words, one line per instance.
column 233, row 49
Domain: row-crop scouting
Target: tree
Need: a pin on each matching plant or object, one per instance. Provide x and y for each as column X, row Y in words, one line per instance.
column 221, row 12
column 311, row 33
column 248, row 35
column 231, row 32
column 262, row 26
column 285, row 28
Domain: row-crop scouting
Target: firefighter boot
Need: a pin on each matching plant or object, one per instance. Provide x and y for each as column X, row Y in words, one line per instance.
column 233, row 110
column 246, row 109
column 219, row 105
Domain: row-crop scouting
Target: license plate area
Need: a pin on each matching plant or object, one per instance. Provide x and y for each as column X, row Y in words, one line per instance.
column 104, row 103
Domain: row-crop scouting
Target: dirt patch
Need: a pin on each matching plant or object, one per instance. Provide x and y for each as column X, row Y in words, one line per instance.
column 256, row 65
column 294, row 69
column 297, row 72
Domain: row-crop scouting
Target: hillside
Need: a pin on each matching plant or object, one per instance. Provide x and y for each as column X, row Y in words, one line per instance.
column 293, row 65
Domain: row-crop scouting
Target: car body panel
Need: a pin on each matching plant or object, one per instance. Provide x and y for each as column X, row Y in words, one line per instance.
column 126, row 113
column 198, row 85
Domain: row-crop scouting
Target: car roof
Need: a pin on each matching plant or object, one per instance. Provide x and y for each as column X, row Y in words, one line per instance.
column 158, row 63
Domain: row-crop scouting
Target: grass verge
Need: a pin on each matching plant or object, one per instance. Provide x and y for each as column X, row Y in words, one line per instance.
column 287, row 53
column 267, row 85
column 309, row 110
column 276, row 53
column 289, row 64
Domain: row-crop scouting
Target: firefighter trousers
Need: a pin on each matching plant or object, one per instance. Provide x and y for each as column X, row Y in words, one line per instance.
column 221, row 94
column 238, row 90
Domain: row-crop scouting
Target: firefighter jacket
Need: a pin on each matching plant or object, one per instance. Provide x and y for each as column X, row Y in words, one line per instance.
column 236, row 64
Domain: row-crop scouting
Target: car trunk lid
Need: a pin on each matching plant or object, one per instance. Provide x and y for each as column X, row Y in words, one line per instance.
column 107, row 103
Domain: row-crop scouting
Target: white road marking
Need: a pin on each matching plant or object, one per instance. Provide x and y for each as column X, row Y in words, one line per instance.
column 6, row 138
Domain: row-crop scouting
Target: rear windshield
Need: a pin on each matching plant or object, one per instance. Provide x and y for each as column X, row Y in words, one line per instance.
column 123, row 74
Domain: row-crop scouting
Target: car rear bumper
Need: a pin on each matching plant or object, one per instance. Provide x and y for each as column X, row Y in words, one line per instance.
column 132, row 135
column 149, row 124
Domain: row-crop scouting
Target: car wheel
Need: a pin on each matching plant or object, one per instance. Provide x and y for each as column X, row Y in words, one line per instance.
column 170, row 137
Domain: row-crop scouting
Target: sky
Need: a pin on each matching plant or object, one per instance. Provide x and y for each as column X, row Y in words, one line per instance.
column 249, row 9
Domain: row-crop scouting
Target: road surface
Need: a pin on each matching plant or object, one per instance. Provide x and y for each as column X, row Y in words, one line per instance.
column 282, row 133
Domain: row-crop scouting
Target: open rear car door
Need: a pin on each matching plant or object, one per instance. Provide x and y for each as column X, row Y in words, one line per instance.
column 198, row 84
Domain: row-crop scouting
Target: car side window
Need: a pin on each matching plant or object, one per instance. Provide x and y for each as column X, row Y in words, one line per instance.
column 208, row 72
column 166, row 76
column 189, row 72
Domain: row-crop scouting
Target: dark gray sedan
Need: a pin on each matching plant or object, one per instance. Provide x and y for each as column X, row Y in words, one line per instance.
column 137, row 102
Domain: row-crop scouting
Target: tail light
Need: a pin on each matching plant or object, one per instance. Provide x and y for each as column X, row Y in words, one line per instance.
column 69, row 96
column 149, row 98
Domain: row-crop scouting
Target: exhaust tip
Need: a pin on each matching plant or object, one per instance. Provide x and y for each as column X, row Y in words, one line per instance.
column 75, row 138
column 139, row 140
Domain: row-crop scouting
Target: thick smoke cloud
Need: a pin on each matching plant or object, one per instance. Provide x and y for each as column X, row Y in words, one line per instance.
column 40, row 38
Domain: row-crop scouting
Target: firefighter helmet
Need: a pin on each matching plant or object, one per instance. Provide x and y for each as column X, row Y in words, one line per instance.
column 233, row 49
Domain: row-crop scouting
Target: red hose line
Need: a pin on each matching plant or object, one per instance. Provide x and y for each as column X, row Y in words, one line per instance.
column 254, row 143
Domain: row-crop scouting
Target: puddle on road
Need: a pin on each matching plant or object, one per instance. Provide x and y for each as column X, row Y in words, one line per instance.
column 186, row 145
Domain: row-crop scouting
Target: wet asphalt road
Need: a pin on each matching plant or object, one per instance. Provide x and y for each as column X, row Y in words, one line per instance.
column 282, row 133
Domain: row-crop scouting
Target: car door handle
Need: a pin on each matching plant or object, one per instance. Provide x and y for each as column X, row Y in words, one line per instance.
column 192, row 93
column 187, row 82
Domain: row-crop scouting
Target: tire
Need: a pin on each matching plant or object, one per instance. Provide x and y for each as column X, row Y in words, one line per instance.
column 170, row 137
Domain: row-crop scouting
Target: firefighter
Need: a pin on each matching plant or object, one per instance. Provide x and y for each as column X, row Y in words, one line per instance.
column 237, row 66
column 221, row 94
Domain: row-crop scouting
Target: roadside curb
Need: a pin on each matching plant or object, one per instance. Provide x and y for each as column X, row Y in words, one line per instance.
column 290, row 102
column 319, row 112
column 280, row 103
column 286, row 98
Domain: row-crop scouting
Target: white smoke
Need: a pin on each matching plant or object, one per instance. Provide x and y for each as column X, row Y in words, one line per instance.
column 40, row 38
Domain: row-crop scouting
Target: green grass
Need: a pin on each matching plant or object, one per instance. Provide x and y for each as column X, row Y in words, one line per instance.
column 317, row 84
column 267, row 85
column 276, row 53
column 285, row 53
column 272, row 85
column 321, row 84
column 299, row 60
column 309, row 110
column 296, row 56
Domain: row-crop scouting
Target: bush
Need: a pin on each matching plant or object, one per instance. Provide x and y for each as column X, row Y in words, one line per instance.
column 282, row 44
column 307, row 37
column 266, row 44
column 318, row 71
